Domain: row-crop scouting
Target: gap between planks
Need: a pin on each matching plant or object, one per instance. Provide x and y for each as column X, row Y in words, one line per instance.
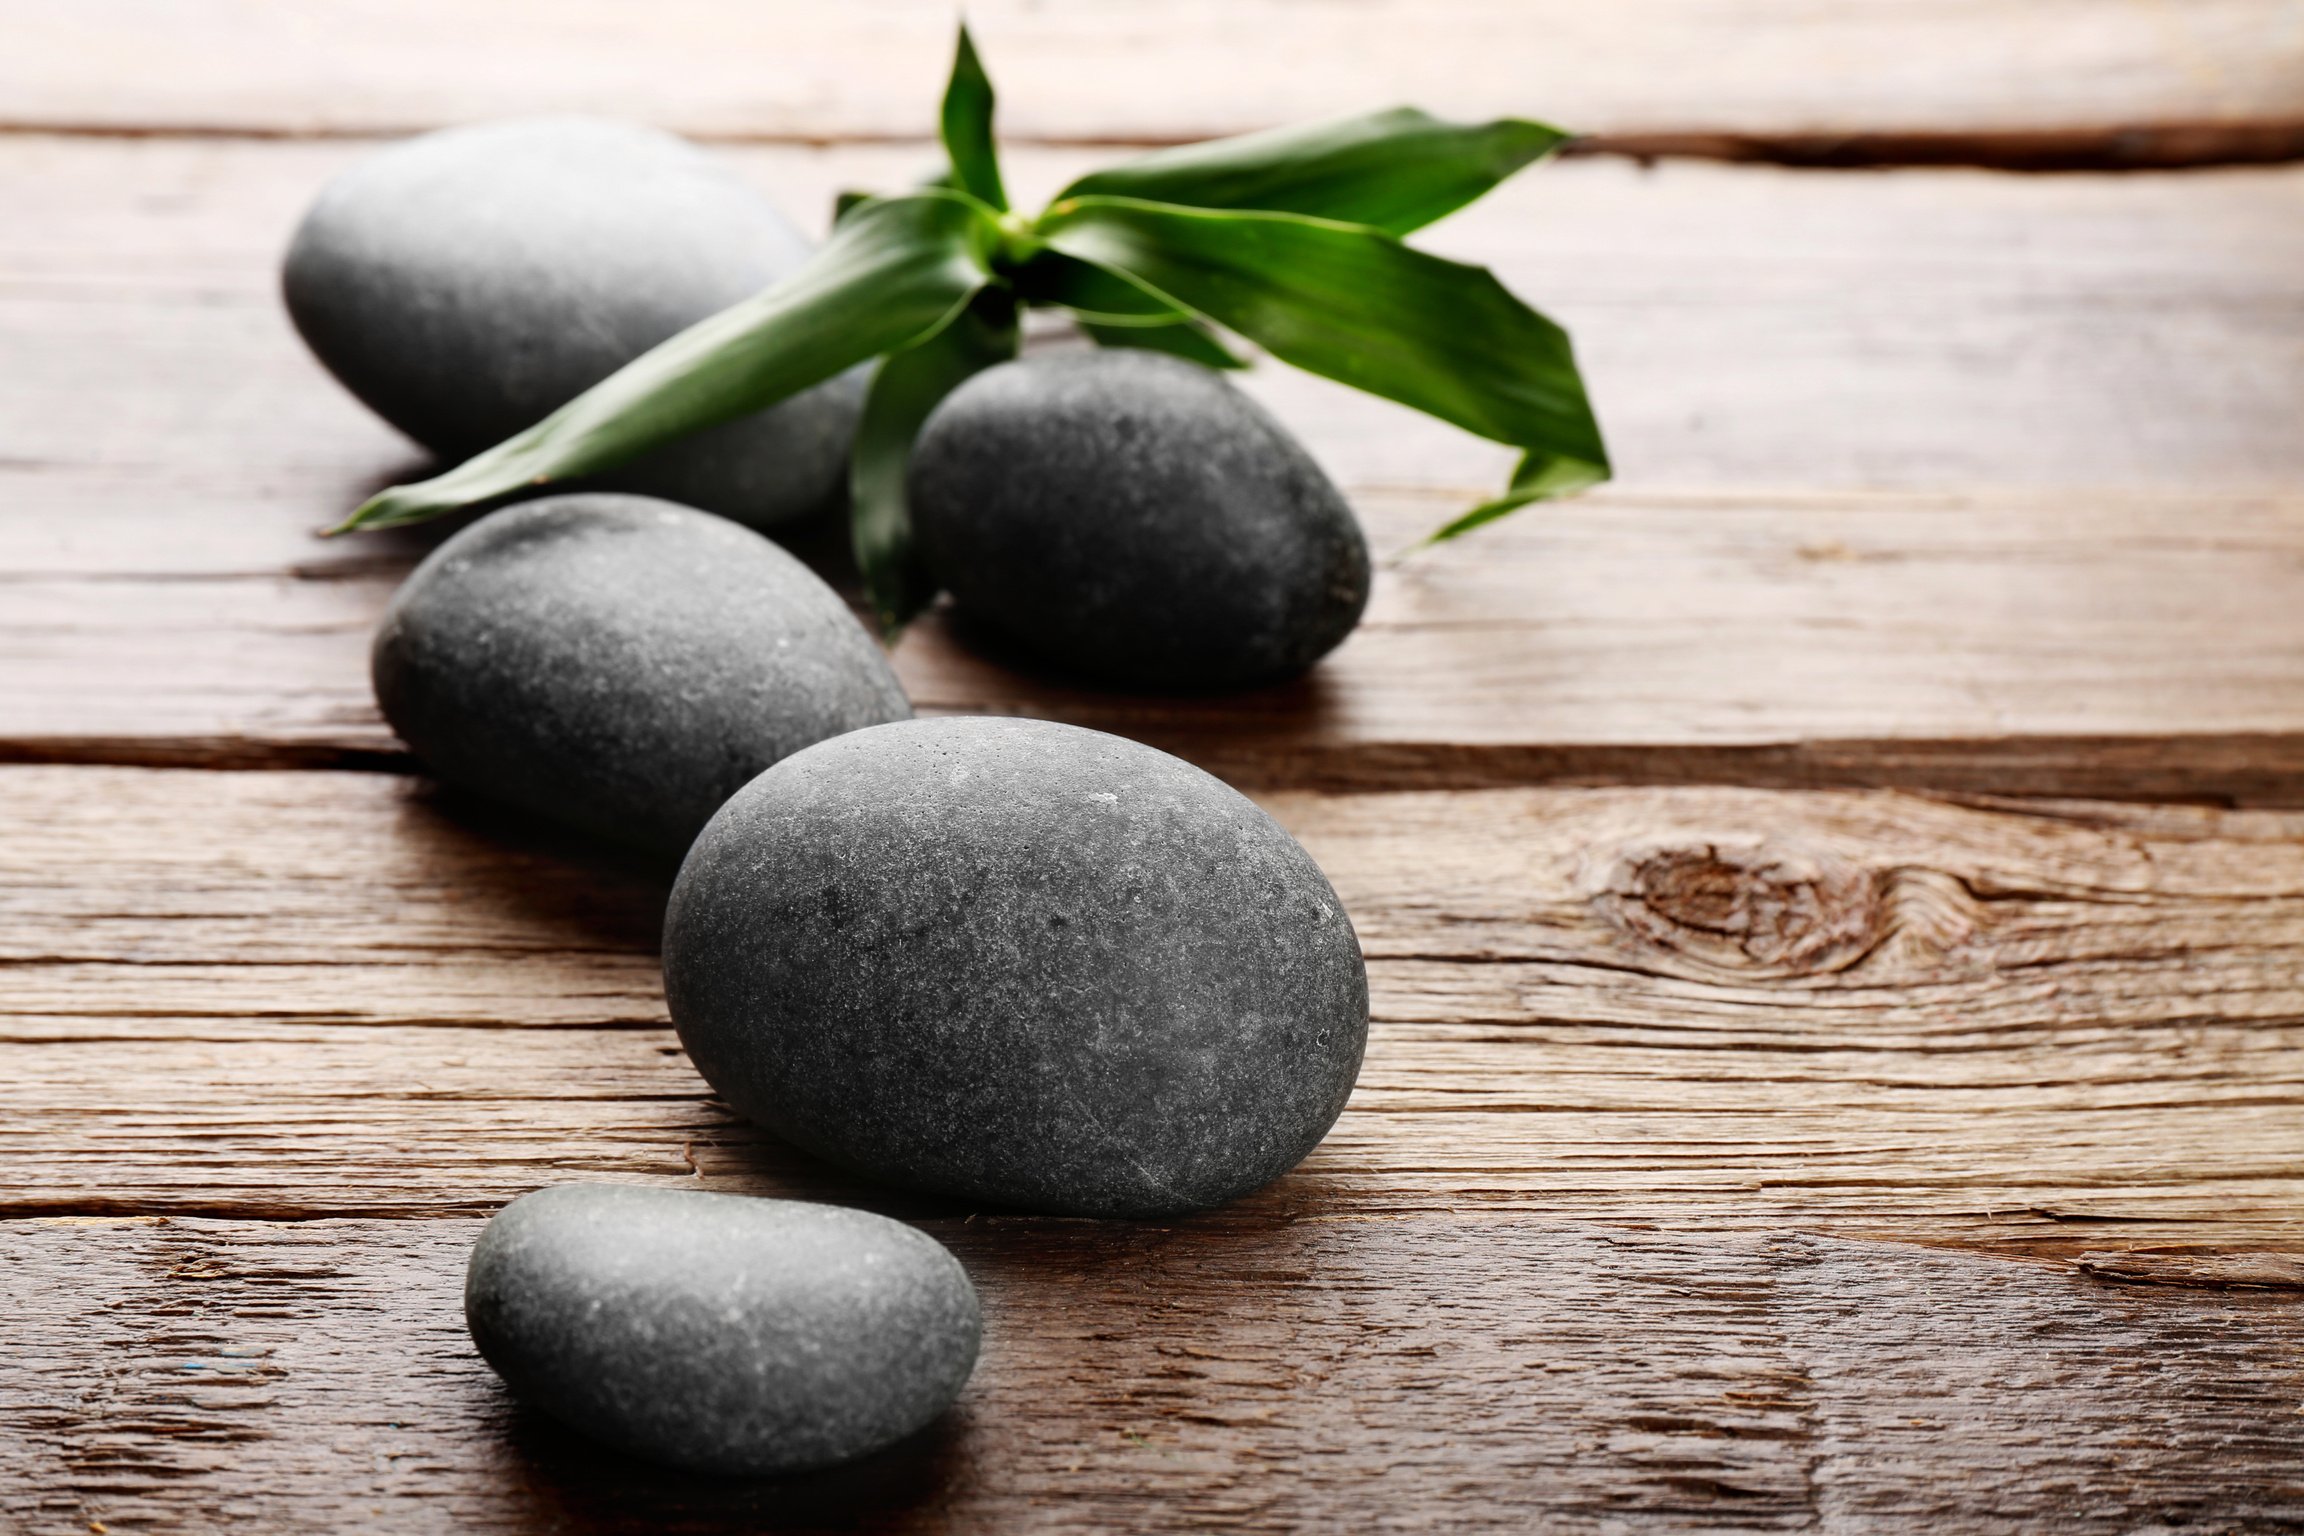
column 2120, row 147
column 2261, row 770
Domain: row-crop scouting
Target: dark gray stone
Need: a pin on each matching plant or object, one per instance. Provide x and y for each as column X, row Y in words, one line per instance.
column 1135, row 519
column 621, row 664
column 467, row 283
column 720, row 1332
column 1018, row 962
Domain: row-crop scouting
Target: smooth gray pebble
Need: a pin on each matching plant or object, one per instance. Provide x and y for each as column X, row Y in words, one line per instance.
column 720, row 1332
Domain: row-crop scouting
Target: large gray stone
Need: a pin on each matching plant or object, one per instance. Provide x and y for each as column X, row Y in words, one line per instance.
column 621, row 664
column 1135, row 519
column 720, row 1332
column 467, row 283
column 1018, row 962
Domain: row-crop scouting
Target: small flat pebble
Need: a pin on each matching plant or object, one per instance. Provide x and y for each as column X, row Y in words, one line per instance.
column 467, row 283
column 1018, row 962
column 719, row 1332
column 621, row 664
column 1135, row 520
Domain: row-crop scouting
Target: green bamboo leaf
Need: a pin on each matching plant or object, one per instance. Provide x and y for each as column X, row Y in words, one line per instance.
column 894, row 270
column 1396, row 171
column 849, row 199
column 1093, row 292
column 967, row 126
column 1117, row 311
column 1188, row 339
column 1539, row 477
column 907, row 387
column 1356, row 305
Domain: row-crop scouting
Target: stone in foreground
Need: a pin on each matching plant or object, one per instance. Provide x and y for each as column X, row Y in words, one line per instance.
column 720, row 1332
column 621, row 664
column 1018, row 962
column 469, row 282
column 1134, row 519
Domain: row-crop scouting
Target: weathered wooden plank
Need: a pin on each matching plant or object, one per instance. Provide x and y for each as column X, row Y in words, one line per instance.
column 1937, row 332
column 1913, row 494
column 2111, row 647
column 2129, row 647
column 1911, row 490
column 1222, row 1374
column 297, row 995
column 2065, row 81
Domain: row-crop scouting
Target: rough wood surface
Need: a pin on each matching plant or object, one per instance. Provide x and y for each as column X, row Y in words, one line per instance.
column 1915, row 489
column 1428, row 1373
column 2126, row 647
column 1939, row 481
column 298, row 995
column 2105, row 82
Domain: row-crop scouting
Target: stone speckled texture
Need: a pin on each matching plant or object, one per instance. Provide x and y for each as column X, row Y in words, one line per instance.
column 466, row 283
column 1136, row 520
column 720, row 1332
column 621, row 664
column 1018, row 962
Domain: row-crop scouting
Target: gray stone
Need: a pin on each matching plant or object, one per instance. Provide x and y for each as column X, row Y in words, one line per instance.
column 1135, row 519
column 720, row 1332
column 467, row 283
column 1018, row 962
column 621, row 664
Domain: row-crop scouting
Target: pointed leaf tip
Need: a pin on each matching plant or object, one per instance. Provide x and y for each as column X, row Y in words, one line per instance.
column 1397, row 170
column 1355, row 304
column 966, row 126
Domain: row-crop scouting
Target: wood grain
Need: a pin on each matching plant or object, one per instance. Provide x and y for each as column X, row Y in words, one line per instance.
column 2103, row 82
column 302, row 995
column 1938, row 481
column 1912, row 490
column 2133, row 647
column 1313, row 1375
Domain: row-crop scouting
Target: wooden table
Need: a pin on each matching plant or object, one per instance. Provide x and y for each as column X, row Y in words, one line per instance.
column 1834, row 899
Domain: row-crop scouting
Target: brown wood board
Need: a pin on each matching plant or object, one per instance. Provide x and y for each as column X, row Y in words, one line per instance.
column 2022, row 82
column 1231, row 1373
column 1911, row 491
column 298, row 995
column 1940, row 481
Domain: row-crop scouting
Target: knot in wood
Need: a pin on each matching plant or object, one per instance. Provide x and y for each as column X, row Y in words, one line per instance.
column 1756, row 910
